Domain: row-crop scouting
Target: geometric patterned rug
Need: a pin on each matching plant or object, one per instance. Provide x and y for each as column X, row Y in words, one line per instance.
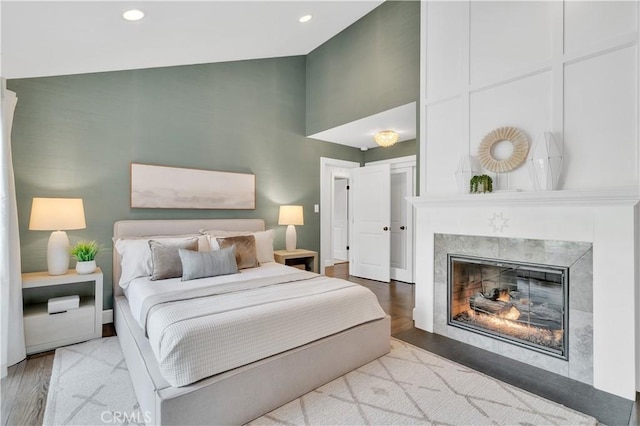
column 412, row 386
column 90, row 385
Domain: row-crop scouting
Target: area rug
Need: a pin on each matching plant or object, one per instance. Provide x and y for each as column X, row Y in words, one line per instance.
column 90, row 385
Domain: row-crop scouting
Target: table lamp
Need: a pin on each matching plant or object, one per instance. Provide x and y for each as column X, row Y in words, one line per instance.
column 291, row 216
column 57, row 215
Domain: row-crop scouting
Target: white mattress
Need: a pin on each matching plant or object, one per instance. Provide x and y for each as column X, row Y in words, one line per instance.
column 229, row 321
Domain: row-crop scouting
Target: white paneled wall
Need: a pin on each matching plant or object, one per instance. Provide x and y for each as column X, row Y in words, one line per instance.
column 507, row 38
column 570, row 68
column 600, row 116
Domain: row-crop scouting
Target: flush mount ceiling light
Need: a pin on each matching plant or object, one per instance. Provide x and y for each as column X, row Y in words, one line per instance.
column 305, row 18
column 386, row 138
column 133, row 15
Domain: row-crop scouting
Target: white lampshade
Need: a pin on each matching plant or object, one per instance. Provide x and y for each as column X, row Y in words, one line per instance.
column 58, row 215
column 291, row 216
column 545, row 162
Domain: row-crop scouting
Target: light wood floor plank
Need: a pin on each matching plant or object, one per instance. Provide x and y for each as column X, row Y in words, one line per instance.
column 31, row 395
column 9, row 389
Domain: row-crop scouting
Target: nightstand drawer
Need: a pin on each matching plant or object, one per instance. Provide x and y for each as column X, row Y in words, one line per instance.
column 42, row 328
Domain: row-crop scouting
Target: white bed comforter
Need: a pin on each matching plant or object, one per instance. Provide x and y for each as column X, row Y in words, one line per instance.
column 204, row 327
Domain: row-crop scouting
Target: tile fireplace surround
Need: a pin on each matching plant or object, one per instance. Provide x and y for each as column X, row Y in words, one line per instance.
column 576, row 256
column 607, row 220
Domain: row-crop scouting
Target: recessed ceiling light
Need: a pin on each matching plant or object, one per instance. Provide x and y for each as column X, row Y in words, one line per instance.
column 133, row 15
column 305, row 18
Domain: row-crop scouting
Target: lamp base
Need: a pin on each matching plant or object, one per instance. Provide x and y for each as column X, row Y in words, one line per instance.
column 290, row 238
column 58, row 253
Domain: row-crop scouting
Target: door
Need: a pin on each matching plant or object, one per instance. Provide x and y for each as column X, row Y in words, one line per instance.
column 340, row 237
column 401, row 224
column 370, row 192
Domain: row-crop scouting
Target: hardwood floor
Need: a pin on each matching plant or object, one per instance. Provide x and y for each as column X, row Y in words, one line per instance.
column 24, row 390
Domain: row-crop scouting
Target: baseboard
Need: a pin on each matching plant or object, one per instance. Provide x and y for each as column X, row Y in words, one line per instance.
column 107, row 316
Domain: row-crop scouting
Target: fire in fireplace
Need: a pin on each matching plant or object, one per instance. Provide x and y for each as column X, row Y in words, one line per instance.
column 521, row 303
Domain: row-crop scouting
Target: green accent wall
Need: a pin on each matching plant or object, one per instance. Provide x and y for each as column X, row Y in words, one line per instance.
column 370, row 67
column 401, row 149
column 75, row 136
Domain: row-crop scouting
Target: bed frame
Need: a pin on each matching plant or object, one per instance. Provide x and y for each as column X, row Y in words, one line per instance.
column 245, row 393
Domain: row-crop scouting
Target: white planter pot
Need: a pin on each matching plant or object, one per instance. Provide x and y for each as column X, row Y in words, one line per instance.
column 87, row 267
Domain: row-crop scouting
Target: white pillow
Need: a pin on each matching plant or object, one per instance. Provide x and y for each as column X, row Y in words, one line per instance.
column 264, row 242
column 136, row 256
column 264, row 245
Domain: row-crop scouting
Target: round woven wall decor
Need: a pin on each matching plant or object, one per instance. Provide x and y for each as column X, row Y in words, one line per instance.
column 517, row 157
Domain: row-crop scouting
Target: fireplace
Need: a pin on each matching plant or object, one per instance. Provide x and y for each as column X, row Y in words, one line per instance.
column 593, row 233
column 521, row 303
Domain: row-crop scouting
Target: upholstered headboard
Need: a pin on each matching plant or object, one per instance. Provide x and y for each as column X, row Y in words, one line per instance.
column 142, row 228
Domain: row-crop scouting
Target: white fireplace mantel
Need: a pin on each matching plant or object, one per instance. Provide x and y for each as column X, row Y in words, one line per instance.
column 518, row 198
column 607, row 218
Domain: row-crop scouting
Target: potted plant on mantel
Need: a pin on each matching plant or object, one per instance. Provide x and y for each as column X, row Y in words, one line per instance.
column 480, row 184
column 85, row 253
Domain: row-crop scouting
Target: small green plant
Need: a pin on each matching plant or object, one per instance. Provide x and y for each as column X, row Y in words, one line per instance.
column 85, row 251
column 479, row 184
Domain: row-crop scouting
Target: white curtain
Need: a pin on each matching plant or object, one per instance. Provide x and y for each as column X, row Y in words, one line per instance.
column 11, row 325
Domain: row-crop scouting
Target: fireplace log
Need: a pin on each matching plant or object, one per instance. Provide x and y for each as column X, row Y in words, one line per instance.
column 496, row 307
column 538, row 314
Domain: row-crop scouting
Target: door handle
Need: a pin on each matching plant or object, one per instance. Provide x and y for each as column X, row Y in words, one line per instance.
column 386, row 228
column 402, row 227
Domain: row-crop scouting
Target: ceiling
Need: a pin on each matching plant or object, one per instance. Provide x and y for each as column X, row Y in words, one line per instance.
column 45, row 38
column 359, row 133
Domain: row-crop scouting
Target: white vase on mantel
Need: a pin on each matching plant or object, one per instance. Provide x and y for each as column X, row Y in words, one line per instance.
column 545, row 162
column 467, row 168
column 86, row 267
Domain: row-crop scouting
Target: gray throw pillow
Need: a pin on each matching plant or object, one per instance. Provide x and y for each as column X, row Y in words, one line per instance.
column 165, row 259
column 197, row 264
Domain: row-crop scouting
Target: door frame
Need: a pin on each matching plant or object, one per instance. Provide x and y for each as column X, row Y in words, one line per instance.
column 329, row 169
column 335, row 177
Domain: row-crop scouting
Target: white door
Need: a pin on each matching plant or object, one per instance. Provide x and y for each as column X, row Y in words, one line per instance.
column 339, row 220
column 401, row 224
column 370, row 221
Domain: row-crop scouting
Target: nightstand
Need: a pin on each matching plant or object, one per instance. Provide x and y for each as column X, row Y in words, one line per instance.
column 44, row 331
column 299, row 258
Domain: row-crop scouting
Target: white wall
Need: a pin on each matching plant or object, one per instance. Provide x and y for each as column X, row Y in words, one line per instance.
column 570, row 68
column 1, row 72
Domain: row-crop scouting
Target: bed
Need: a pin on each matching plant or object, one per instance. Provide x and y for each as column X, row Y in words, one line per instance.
column 238, row 391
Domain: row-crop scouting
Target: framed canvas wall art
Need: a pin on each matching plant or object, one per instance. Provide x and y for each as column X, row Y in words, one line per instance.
column 165, row 187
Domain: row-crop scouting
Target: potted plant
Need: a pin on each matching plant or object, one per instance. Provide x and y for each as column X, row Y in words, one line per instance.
column 480, row 184
column 85, row 253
